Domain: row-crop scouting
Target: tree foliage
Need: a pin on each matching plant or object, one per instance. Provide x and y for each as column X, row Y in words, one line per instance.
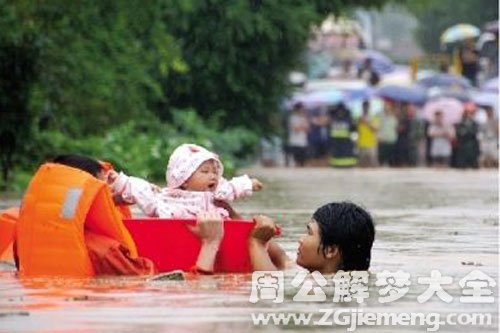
column 97, row 61
column 78, row 67
column 239, row 54
column 142, row 147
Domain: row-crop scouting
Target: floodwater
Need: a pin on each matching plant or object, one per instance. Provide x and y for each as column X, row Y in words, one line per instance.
column 444, row 220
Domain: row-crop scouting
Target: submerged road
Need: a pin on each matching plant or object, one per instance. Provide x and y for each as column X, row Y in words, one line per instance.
column 426, row 220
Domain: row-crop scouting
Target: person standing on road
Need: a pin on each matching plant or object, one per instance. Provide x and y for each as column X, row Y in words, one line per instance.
column 441, row 136
column 341, row 127
column 387, row 135
column 367, row 138
column 298, row 127
column 467, row 140
column 319, row 141
column 489, row 140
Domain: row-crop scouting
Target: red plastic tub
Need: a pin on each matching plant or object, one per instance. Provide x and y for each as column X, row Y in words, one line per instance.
column 171, row 245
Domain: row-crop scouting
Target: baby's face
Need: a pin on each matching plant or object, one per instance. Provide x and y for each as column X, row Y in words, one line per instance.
column 205, row 178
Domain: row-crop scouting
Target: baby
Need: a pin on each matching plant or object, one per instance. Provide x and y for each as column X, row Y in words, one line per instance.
column 194, row 184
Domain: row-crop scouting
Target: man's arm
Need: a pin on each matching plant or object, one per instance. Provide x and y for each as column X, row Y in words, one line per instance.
column 261, row 261
column 209, row 229
column 278, row 255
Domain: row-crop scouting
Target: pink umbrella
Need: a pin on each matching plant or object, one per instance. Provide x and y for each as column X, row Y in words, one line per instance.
column 451, row 108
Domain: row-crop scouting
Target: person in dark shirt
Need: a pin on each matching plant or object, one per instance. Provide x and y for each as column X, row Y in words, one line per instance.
column 469, row 58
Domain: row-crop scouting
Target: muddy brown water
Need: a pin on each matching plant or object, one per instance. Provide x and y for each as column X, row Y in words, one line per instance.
column 445, row 220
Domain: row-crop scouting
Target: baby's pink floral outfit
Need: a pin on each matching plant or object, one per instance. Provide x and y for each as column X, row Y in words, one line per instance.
column 174, row 202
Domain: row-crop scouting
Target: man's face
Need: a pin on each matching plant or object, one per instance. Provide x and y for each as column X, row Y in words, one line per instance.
column 309, row 254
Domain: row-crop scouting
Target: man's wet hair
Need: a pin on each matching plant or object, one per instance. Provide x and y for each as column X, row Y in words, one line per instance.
column 351, row 229
column 83, row 163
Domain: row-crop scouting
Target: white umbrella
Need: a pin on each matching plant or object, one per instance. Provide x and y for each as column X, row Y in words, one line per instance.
column 485, row 98
column 491, row 85
column 459, row 32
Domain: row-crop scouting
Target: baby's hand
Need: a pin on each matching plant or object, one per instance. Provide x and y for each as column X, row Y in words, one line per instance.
column 256, row 185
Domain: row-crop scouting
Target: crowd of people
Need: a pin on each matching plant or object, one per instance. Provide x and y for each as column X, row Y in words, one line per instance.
column 403, row 134
column 399, row 137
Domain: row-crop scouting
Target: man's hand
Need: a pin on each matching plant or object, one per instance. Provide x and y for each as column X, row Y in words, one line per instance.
column 111, row 176
column 264, row 229
column 232, row 213
column 209, row 227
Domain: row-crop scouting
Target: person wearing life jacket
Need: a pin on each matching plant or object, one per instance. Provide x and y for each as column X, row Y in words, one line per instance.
column 69, row 225
column 8, row 219
column 342, row 146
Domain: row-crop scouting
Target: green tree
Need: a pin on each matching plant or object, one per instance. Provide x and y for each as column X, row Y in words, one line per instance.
column 239, row 53
column 16, row 78
column 83, row 68
column 97, row 62
column 79, row 68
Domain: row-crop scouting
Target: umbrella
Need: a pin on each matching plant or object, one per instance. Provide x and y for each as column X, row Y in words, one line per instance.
column 491, row 85
column 459, row 32
column 321, row 97
column 491, row 27
column 452, row 109
column 438, row 92
column 445, row 80
column 334, row 84
column 484, row 42
column 381, row 64
column 401, row 76
column 480, row 117
column 413, row 94
column 485, row 98
column 359, row 94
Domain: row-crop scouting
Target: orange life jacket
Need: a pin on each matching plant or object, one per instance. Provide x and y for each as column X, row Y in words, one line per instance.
column 60, row 203
column 8, row 219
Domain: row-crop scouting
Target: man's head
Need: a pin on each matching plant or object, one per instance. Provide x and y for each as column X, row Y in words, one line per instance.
column 298, row 108
column 388, row 106
column 83, row 163
column 438, row 117
column 340, row 236
column 366, row 108
column 469, row 110
column 469, row 43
